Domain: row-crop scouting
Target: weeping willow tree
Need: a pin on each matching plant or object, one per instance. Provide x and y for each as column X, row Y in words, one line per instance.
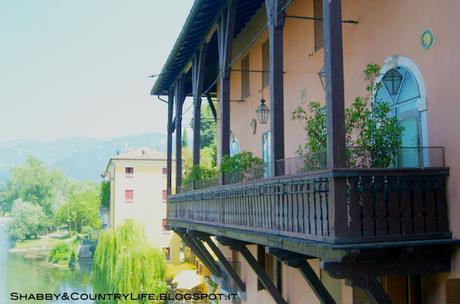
column 124, row 262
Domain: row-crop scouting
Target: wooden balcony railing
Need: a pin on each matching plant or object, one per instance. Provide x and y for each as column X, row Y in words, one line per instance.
column 334, row 206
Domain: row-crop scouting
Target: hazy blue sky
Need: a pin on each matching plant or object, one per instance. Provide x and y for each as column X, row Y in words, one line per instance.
column 79, row 68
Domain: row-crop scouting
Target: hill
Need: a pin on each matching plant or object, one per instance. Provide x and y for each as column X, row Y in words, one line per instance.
column 79, row 158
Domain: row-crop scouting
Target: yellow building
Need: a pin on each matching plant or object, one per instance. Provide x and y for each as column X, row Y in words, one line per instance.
column 138, row 191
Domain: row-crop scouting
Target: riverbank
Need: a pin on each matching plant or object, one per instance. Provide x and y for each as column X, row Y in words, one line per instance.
column 39, row 249
column 4, row 219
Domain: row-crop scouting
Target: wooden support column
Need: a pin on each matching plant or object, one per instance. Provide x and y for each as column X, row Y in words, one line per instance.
column 169, row 141
column 225, row 30
column 260, row 272
column 228, row 267
column 198, row 70
column 335, row 112
column 333, row 67
column 179, row 101
column 275, row 23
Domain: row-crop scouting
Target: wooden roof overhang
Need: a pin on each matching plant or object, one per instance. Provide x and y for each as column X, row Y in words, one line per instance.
column 199, row 28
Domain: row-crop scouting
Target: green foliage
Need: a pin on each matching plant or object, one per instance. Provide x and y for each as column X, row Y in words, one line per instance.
column 27, row 221
column 314, row 119
column 208, row 156
column 184, row 139
column 105, row 194
column 207, row 128
column 372, row 136
column 124, row 262
column 33, row 182
column 81, row 209
column 198, row 174
column 240, row 162
column 236, row 168
column 372, row 133
column 61, row 252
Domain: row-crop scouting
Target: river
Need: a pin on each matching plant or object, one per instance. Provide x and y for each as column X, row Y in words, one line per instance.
column 24, row 276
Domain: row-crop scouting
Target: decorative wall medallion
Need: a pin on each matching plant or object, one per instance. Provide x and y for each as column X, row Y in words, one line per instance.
column 427, row 39
column 253, row 126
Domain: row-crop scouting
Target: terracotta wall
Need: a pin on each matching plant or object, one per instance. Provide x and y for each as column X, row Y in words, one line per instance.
column 386, row 28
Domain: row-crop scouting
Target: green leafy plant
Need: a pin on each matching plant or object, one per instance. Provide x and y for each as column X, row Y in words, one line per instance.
column 62, row 252
column 241, row 167
column 199, row 174
column 372, row 135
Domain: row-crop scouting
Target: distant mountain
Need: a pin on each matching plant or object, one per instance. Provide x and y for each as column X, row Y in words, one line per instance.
column 79, row 158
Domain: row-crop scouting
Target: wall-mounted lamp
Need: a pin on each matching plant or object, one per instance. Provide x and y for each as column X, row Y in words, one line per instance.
column 262, row 112
column 322, row 77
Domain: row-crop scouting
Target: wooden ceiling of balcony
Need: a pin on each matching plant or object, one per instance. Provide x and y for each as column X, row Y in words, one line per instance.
column 200, row 21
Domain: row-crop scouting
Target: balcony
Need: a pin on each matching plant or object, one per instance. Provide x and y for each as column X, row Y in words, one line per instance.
column 324, row 206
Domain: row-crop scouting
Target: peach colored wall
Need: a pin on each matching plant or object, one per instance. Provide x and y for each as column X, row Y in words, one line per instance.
column 386, row 28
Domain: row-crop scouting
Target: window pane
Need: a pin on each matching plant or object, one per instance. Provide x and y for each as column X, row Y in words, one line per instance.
column 129, row 195
column 392, row 81
column 129, row 170
column 409, row 88
column 383, row 96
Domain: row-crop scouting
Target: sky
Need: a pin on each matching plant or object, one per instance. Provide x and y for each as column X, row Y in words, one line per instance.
column 80, row 68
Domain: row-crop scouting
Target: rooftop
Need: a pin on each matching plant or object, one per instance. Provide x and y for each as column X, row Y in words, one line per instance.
column 141, row 154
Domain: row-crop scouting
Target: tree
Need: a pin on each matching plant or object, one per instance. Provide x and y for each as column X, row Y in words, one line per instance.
column 184, row 139
column 81, row 208
column 33, row 182
column 124, row 262
column 27, row 221
column 105, row 194
column 207, row 128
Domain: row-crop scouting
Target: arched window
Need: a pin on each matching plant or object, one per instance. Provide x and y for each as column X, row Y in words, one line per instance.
column 400, row 86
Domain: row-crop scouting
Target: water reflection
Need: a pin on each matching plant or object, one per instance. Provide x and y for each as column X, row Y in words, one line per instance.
column 25, row 276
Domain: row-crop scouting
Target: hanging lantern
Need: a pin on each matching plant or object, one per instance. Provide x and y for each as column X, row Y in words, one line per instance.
column 322, row 77
column 262, row 112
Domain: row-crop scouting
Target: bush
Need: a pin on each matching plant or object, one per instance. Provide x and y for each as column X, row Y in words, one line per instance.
column 199, row 174
column 240, row 162
column 372, row 135
column 60, row 252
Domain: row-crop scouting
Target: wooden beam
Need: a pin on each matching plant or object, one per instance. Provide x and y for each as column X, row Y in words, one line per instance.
column 225, row 30
column 198, row 71
column 372, row 287
column 211, row 106
column 275, row 23
column 179, row 98
column 261, row 274
column 228, row 267
column 314, row 282
column 333, row 67
column 169, row 142
column 204, row 256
